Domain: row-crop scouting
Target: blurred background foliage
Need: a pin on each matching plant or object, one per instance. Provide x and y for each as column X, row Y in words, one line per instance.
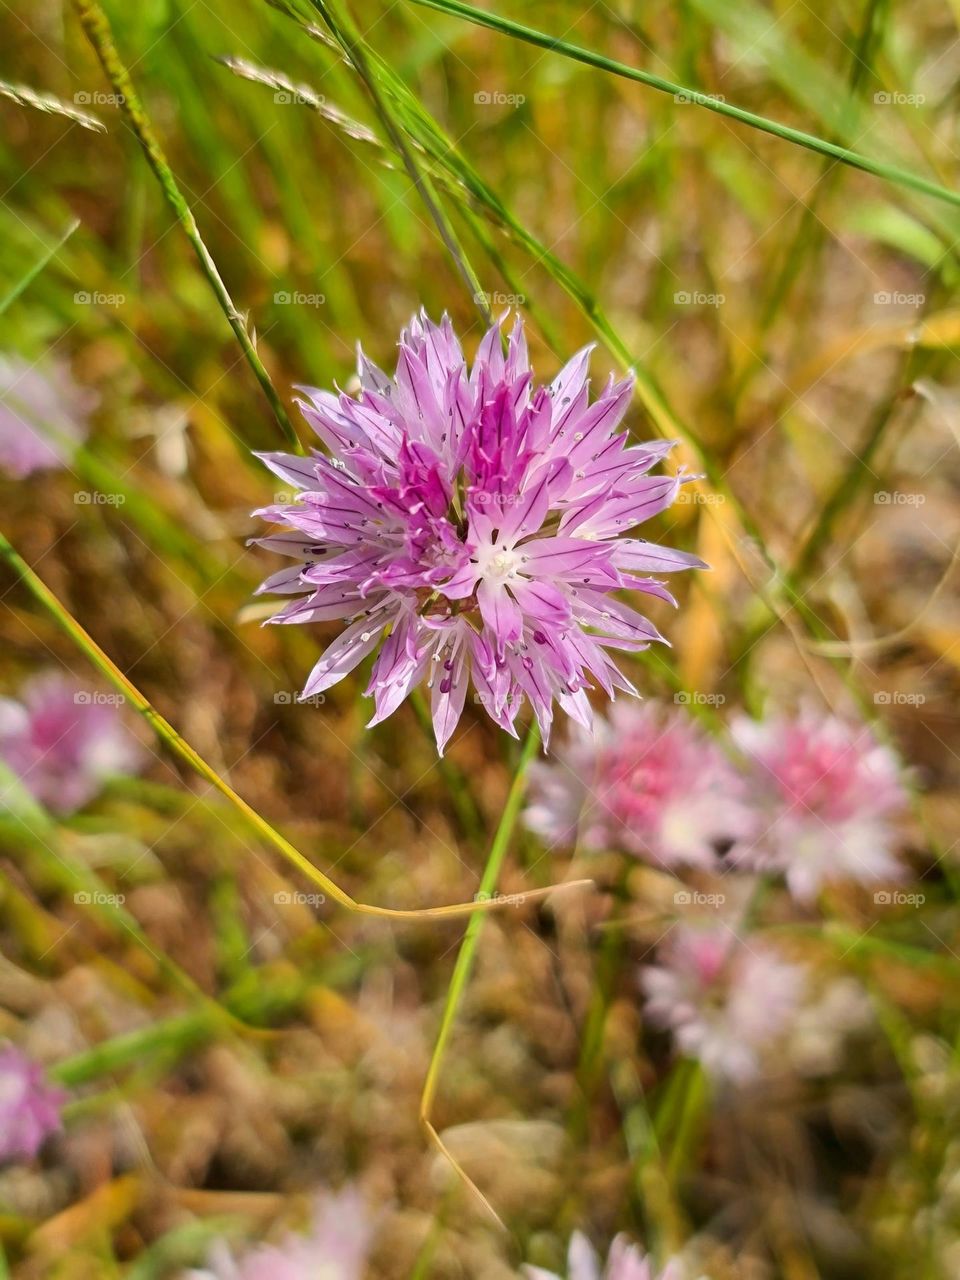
column 793, row 322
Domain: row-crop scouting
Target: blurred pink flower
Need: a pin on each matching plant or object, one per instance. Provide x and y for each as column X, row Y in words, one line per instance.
column 43, row 415
column 648, row 781
column 29, row 1107
column 825, row 792
column 62, row 741
column 624, row 1262
column 469, row 524
column 335, row 1248
column 724, row 999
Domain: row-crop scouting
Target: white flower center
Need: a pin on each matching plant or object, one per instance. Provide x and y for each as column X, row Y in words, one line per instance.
column 497, row 563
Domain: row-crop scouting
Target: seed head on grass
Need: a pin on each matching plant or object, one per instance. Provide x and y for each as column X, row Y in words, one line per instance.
column 469, row 524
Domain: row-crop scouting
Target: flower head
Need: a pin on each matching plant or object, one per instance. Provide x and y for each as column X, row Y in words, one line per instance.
column 62, row 742
column 335, row 1248
column 29, row 1107
column 624, row 1262
column 649, row 782
column 725, row 1000
column 468, row 524
column 43, row 415
column 827, row 791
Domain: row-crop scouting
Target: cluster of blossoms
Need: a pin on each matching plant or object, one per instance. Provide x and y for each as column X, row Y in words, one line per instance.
column 813, row 798
column 61, row 742
column 43, row 415
column 334, row 1248
column 29, row 1106
column 469, row 523
column 724, row 999
column 625, row 1261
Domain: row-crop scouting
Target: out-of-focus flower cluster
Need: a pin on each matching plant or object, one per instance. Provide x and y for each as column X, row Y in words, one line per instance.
column 29, row 1106
column 61, row 742
column 809, row 801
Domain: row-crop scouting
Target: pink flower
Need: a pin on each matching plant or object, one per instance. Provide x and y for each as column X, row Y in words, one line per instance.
column 624, row 1262
column 29, row 1107
column 62, row 742
column 649, row 781
column 335, row 1248
column 826, row 791
column 468, row 524
column 726, row 1000
column 43, row 415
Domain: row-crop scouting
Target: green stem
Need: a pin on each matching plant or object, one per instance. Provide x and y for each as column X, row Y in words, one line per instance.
column 798, row 137
column 97, row 27
column 468, row 948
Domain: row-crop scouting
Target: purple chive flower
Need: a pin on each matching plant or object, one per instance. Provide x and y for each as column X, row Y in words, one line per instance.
column 468, row 523
column 43, row 415
column 624, row 1262
column 648, row 782
column 826, row 792
column 63, row 741
column 29, row 1107
column 724, row 999
column 335, row 1248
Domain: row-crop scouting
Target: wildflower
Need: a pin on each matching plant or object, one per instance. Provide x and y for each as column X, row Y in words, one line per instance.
column 335, row 1247
column 43, row 415
column 62, row 742
column 724, row 999
column 624, row 1262
column 469, row 524
column 29, row 1107
column 649, row 782
column 827, row 792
